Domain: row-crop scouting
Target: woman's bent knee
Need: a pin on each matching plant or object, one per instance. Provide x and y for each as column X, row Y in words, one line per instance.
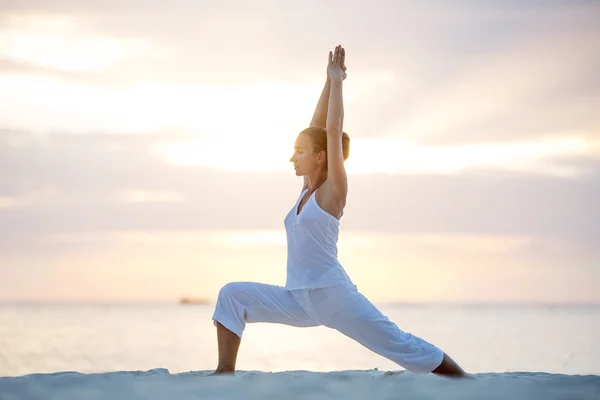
column 230, row 289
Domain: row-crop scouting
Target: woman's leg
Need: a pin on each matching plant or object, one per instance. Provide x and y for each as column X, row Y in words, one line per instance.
column 360, row 320
column 247, row 302
column 228, row 343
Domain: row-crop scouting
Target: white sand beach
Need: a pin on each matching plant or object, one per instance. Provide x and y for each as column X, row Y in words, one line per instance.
column 369, row 384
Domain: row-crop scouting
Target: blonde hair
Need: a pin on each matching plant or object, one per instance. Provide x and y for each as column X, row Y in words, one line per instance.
column 318, row 138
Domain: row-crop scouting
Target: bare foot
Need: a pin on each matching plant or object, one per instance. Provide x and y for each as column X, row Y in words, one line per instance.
column 223, row 371
column 450, row 369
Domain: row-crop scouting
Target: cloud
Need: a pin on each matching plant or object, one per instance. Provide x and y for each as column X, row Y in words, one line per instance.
column 101, row 209
column 446, row 78
column 84, row 183
column 543, row 87
column 433, row 74
column 15, row 68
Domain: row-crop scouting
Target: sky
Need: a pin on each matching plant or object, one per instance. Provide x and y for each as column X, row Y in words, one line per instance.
column 144, row 146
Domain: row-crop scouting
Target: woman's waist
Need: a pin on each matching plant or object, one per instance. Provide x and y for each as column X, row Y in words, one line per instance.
column 316, row 277
column 312, row 259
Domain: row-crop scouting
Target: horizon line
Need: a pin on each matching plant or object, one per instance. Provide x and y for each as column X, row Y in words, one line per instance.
column 539, row 303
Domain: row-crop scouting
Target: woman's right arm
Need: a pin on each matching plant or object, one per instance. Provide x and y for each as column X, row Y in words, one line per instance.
column 320, row 116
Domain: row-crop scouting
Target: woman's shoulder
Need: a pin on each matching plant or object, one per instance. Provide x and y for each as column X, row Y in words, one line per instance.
column 329, row 201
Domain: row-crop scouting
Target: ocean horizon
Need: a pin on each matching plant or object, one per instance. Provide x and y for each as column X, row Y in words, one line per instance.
column 565, row 304
column 152, row 350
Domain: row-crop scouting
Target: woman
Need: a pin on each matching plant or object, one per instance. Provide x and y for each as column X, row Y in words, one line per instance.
column 318, row 291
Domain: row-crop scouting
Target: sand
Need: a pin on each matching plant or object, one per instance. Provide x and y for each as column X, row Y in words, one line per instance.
column 371, row 384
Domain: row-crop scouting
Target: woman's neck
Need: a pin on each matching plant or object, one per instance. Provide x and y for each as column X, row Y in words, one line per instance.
column 316, row 180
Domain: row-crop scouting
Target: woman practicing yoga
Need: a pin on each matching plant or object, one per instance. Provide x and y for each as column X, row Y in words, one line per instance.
column 318, row 291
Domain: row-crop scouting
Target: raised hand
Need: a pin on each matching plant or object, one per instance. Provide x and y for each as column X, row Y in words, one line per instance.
column 336, row 68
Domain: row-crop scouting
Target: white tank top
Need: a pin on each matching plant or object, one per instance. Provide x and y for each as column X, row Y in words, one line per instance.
column 312, row 239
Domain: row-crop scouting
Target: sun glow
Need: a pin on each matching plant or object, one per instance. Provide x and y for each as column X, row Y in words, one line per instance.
column 381, row 155
column 257, row 110
column 252, row 127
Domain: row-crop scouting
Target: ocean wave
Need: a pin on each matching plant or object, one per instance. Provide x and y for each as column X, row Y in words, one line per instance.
column 368, row 384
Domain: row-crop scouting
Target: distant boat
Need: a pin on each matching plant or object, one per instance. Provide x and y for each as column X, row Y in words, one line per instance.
column 193, row 300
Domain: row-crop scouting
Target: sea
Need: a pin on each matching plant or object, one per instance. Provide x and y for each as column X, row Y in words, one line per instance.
column 155, row 351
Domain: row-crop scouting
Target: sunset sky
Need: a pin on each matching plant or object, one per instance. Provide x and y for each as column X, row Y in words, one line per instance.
column 144, row 146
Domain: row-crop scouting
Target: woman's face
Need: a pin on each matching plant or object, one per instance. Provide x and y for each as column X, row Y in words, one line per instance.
column 304, row 158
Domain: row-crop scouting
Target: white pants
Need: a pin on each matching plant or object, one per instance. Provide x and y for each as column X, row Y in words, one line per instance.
column 340, row 307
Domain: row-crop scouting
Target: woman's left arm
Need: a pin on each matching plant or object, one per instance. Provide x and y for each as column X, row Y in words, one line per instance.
column 336, row 174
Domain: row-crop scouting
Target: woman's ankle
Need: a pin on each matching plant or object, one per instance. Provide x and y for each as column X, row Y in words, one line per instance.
column 225, row 370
